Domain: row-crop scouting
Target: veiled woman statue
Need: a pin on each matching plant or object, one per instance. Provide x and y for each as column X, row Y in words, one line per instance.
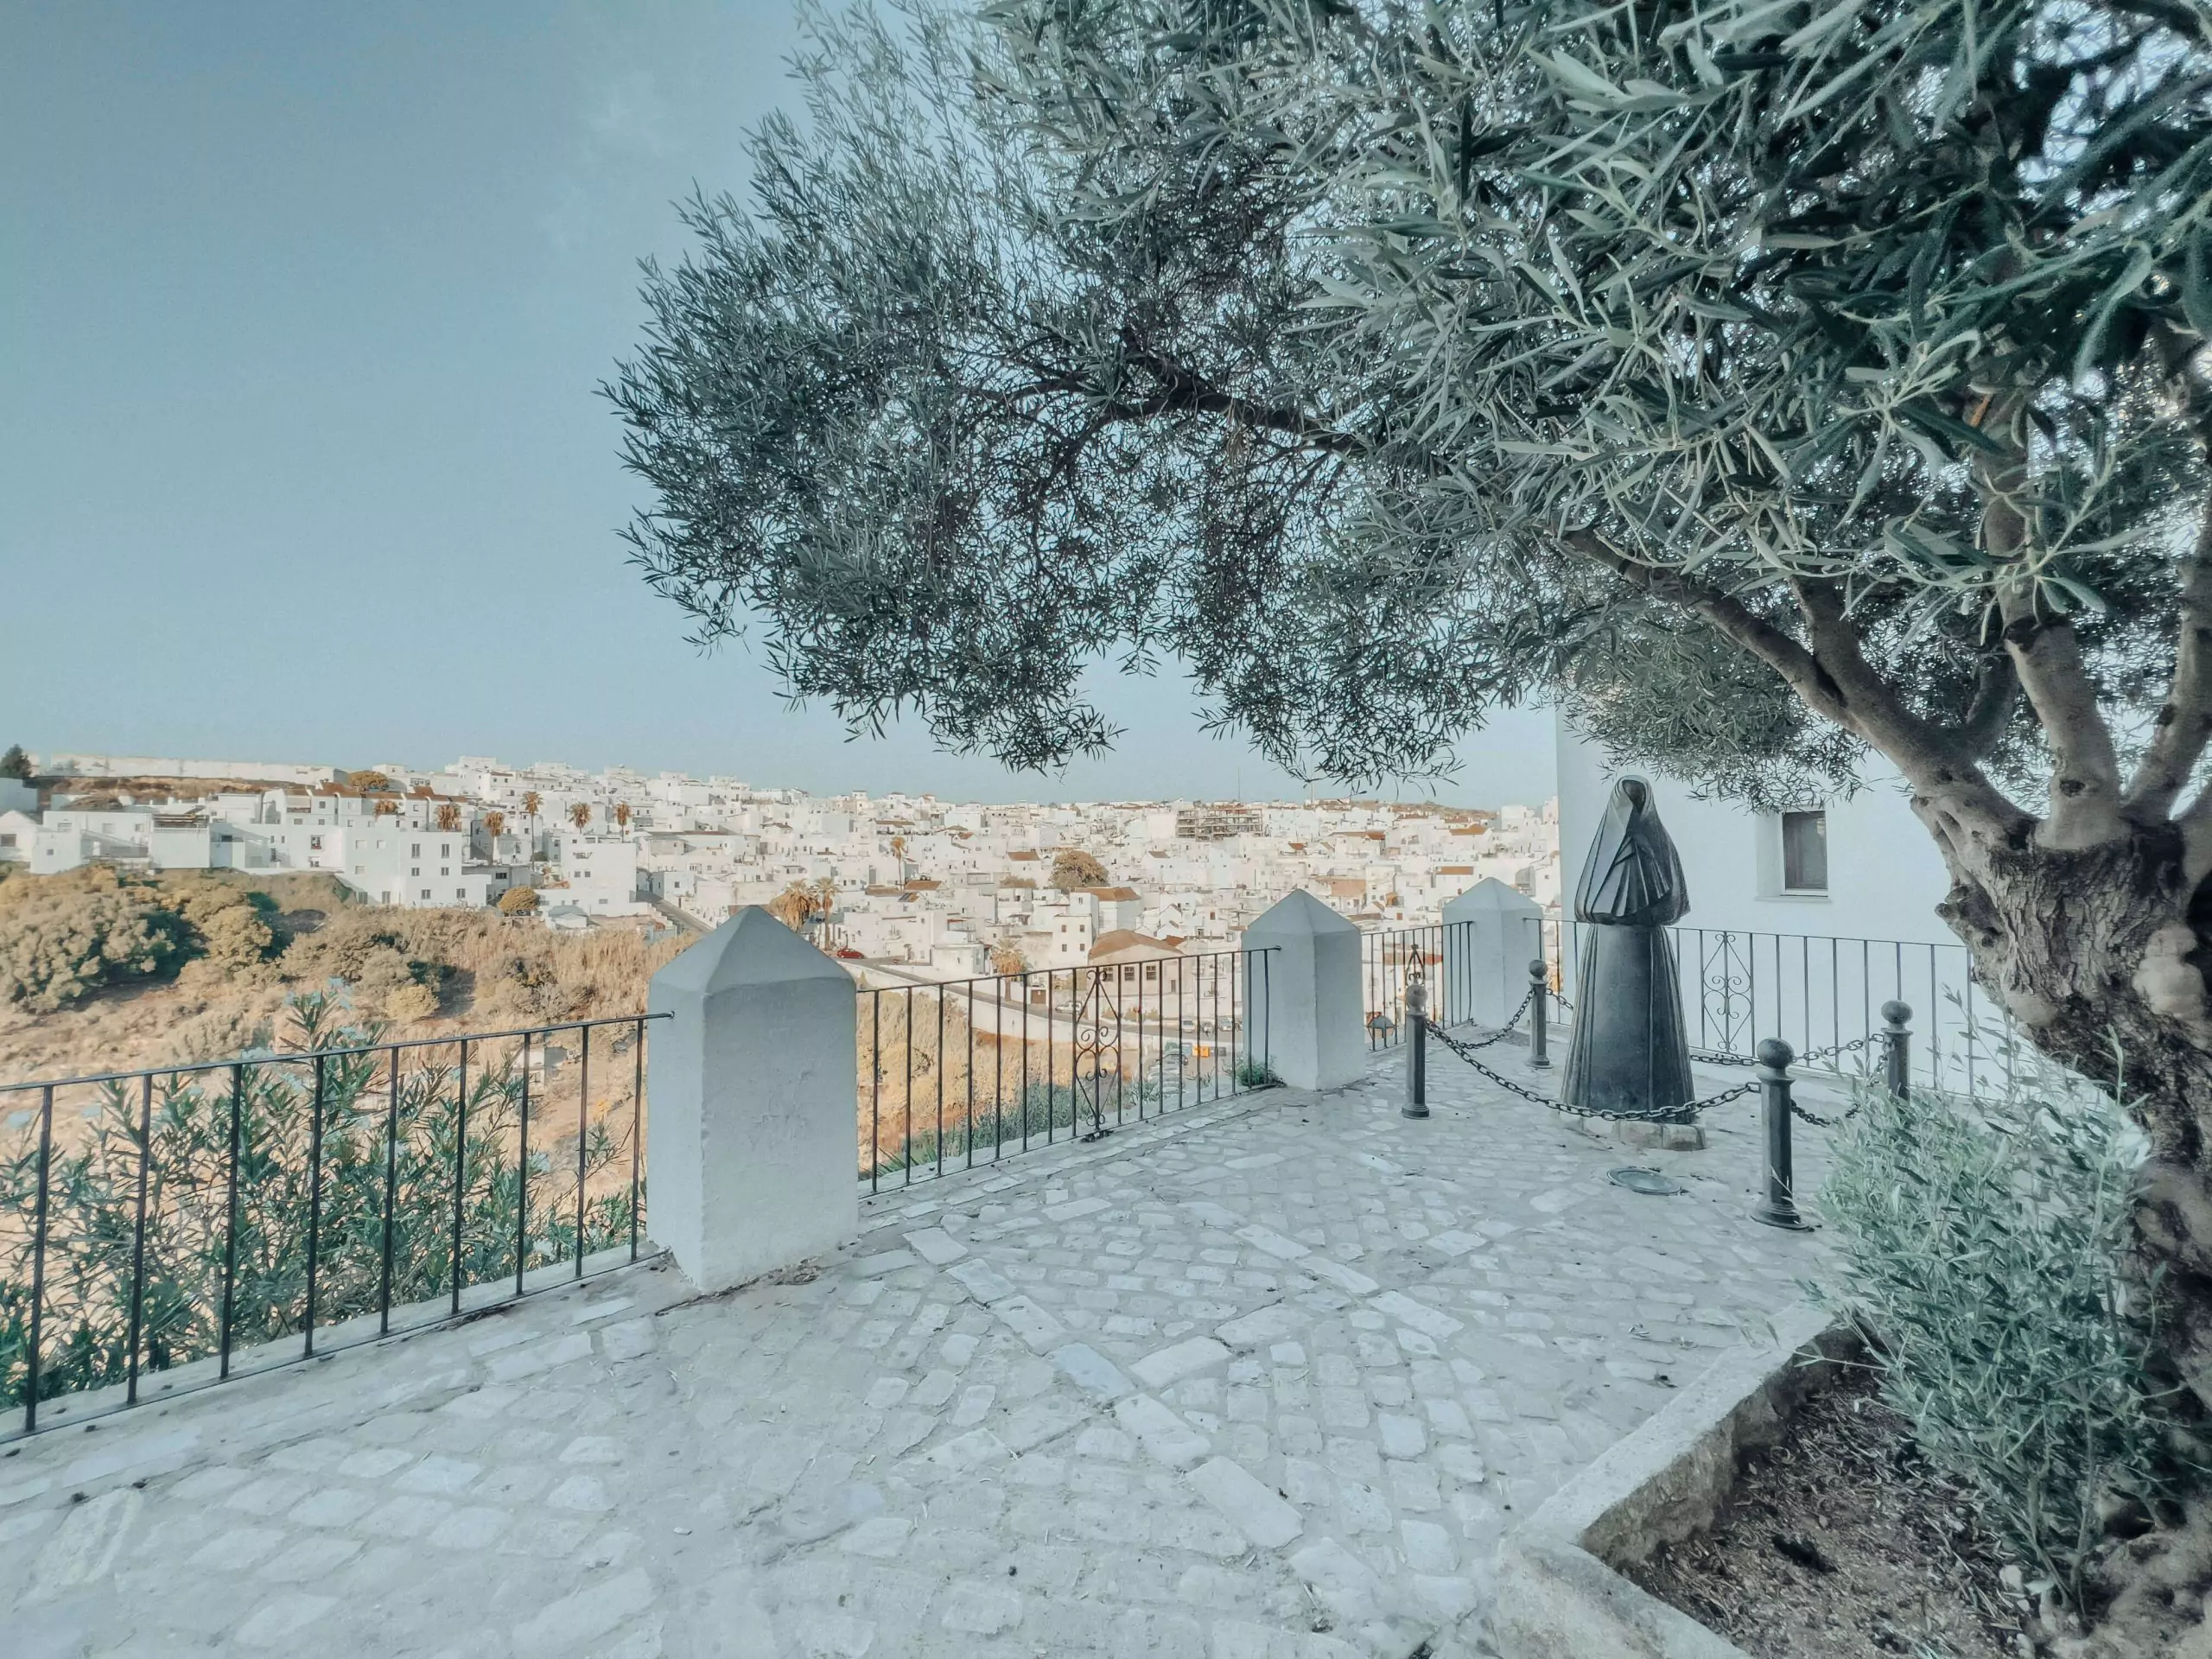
column 1630, row 1051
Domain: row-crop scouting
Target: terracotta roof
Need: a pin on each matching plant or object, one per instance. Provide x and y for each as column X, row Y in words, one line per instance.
column 1127, row 942
column 1118, row 895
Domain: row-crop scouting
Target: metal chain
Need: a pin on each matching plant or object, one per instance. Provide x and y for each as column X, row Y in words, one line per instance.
column 1497, row 1036
column 1834, row 1050
column 1465, row 1051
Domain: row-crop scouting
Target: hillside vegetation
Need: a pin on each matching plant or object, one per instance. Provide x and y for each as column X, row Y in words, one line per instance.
column 103, row 970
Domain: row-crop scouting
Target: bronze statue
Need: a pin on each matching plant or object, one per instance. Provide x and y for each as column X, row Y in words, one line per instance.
column 1631, row 1050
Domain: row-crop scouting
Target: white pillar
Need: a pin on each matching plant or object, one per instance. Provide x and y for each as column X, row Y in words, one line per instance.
column 1311, row 1032
column 750, row 1132
column 1492, row 933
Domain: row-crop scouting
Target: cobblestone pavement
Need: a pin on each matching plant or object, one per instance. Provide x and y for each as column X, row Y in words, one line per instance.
column 1265, row 1382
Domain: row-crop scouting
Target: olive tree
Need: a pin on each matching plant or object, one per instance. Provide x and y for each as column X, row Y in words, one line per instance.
column 1773, row 386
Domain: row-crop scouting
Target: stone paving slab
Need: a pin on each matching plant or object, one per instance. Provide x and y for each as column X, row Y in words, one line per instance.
column 1264, row 1381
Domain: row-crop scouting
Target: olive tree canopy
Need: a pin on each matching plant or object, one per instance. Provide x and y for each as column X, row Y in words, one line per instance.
column 1768, row 383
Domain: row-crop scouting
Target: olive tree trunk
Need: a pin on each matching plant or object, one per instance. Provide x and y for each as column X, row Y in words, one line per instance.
column 2100, row 954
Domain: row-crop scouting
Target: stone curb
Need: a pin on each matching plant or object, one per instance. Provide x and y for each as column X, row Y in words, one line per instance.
column 1558, row 1594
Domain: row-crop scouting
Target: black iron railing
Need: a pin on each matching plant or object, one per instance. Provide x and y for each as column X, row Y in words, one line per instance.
column 1390, row 957
column 1814, row 992
column 181, row 1225
column 958, row 1073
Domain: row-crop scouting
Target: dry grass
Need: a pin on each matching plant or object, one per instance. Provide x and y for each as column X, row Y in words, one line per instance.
column 424, row 973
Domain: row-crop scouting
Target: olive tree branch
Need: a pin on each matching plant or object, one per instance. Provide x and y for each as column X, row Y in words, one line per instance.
column 2184, row 719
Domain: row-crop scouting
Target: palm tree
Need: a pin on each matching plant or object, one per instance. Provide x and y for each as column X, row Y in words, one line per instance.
column 532, row 800
column 793, row 906
column 449, row 815
column 621, row 815
column 580, row 814
column 495, row 824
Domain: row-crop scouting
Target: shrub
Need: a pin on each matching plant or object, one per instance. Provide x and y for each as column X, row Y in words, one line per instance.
column 63, row 936
column 228, row 925
column 1986, row 1250
column 1073, row 869
column 518, row 901
column 342, row 1166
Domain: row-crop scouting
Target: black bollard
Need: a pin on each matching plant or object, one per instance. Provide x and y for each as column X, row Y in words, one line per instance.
column 1539, row 1019
column 1779, row 1207
column 1416, row 1048
column 1897, row 1036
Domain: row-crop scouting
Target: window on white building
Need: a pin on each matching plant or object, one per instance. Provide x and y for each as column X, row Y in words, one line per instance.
column 416, row 851
column 1805, row 852
column 426, row 893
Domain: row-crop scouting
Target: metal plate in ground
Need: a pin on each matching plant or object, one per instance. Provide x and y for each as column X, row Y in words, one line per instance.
column 1648, row 1181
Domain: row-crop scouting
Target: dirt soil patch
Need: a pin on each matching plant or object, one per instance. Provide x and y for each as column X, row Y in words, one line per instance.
column 1839, row 1543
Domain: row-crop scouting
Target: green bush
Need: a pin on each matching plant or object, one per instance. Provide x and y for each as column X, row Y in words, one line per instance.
column 64, row 937
column 362, row 1166
column 1987, row 1250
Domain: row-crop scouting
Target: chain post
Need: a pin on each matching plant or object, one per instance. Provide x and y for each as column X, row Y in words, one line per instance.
column 1539, row 1017
column 1779, row 1207
column 1896, row 1051
column 1416, row 1048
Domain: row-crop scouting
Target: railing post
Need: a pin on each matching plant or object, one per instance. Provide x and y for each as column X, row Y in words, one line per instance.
column 1416, row 1048
column 1778, row 1208
column 1314, row 1008
column 750, row 1125
column 1492, row 926
column 1897, row 1052
column 1539, row 987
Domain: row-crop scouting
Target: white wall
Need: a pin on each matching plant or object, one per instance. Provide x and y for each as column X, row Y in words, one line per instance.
column 1884, row 875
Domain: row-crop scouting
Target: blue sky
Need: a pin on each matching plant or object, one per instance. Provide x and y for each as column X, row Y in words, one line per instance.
column 301, row 313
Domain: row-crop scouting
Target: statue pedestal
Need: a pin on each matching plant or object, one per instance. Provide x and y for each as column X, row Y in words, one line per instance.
column 1665, row 1137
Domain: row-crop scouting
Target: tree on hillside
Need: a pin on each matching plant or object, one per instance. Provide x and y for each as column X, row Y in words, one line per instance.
column 1073, row 868
column 1774, row 390
column 1007, row 958
column 449, row 815
column 63, row 936
column 580, row 814
column 368, row 783
column 16, row 763
column 518, row 901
